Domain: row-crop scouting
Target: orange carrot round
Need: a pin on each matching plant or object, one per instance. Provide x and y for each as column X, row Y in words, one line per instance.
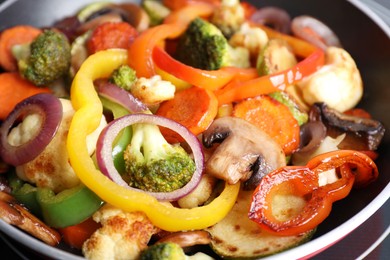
column 76, row 235
column 272, row 117
column 13, row 89
column 194, row 107
column 20, row 34
column 111, row 35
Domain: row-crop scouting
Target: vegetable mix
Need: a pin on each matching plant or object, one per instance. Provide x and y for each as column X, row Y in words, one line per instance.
column 179, row 129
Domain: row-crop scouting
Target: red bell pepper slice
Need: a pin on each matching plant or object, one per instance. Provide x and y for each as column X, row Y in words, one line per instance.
column 209, row 79
column 303, row 181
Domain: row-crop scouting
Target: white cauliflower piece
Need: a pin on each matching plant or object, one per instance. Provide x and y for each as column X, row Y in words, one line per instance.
column 239, row 57
column 123, row 235
column 228, row 16
column 50, row 168
column 252, row 38
column 200, row 194
column 153, row 90
column 338, row 83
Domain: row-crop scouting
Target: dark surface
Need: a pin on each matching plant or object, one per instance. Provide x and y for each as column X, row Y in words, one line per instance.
column 371, row 50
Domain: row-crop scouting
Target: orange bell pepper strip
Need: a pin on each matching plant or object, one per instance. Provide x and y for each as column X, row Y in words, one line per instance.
column 140, row 51
column 314, row 58
column 303, row 181
column 239, row 90
column 208, row 79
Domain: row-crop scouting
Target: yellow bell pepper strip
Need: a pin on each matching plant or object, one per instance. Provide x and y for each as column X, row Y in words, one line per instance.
column 303, row 181
column 239, row 90
column 86, row 119
column 208, row 79
column 140, row 51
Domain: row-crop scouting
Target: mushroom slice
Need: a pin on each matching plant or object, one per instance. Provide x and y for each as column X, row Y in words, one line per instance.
column 15, row 214
column 243, row 148
column 364, row 130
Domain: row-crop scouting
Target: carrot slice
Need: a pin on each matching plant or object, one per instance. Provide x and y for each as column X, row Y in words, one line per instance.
column 13, row 89
column 194, row 107
column 272, row 117
column 21, row 34
column 76, row 235
column 111, row 35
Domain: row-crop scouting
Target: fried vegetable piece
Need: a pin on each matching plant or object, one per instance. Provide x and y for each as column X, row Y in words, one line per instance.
column 111, row 35
column 46, row 59
column 195, row 108
column 272, row 117
column 203, row 46
column 20, row 34
column 236, row 237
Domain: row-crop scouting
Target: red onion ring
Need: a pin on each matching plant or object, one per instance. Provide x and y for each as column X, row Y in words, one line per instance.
column 49, row 108
column 108, row 135
column 275, row 17
column 120, row 96
column 323, row 36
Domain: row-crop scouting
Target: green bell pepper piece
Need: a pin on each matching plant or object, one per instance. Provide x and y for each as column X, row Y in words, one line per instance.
column 123, row 138
column 69, row 207
column 25, row 193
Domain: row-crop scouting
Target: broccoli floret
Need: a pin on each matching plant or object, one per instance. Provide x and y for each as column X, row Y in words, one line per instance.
column 152, row 164
column 163, row 251
column 204, row 46
column 46, row 59
column 123, row 77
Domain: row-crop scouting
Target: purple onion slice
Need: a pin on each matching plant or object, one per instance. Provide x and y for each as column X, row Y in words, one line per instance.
column 49, row 108
column 107, row 138
column 323, row 36
column 274, row 17
column 120, row 96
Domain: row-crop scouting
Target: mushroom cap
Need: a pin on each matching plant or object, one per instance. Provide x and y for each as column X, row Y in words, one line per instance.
column 241, row 146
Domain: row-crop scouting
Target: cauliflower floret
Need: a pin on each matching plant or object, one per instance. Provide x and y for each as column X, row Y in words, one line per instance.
column 50, row 168
column 201, row 193
column 228, row 17
column 338, row 83
column 153, row 90
column 252, row 38
column 123, row 235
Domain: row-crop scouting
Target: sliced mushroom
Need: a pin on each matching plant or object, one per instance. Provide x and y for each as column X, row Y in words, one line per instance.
column 15, row 214
column 366, row 133
column 242, row 145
